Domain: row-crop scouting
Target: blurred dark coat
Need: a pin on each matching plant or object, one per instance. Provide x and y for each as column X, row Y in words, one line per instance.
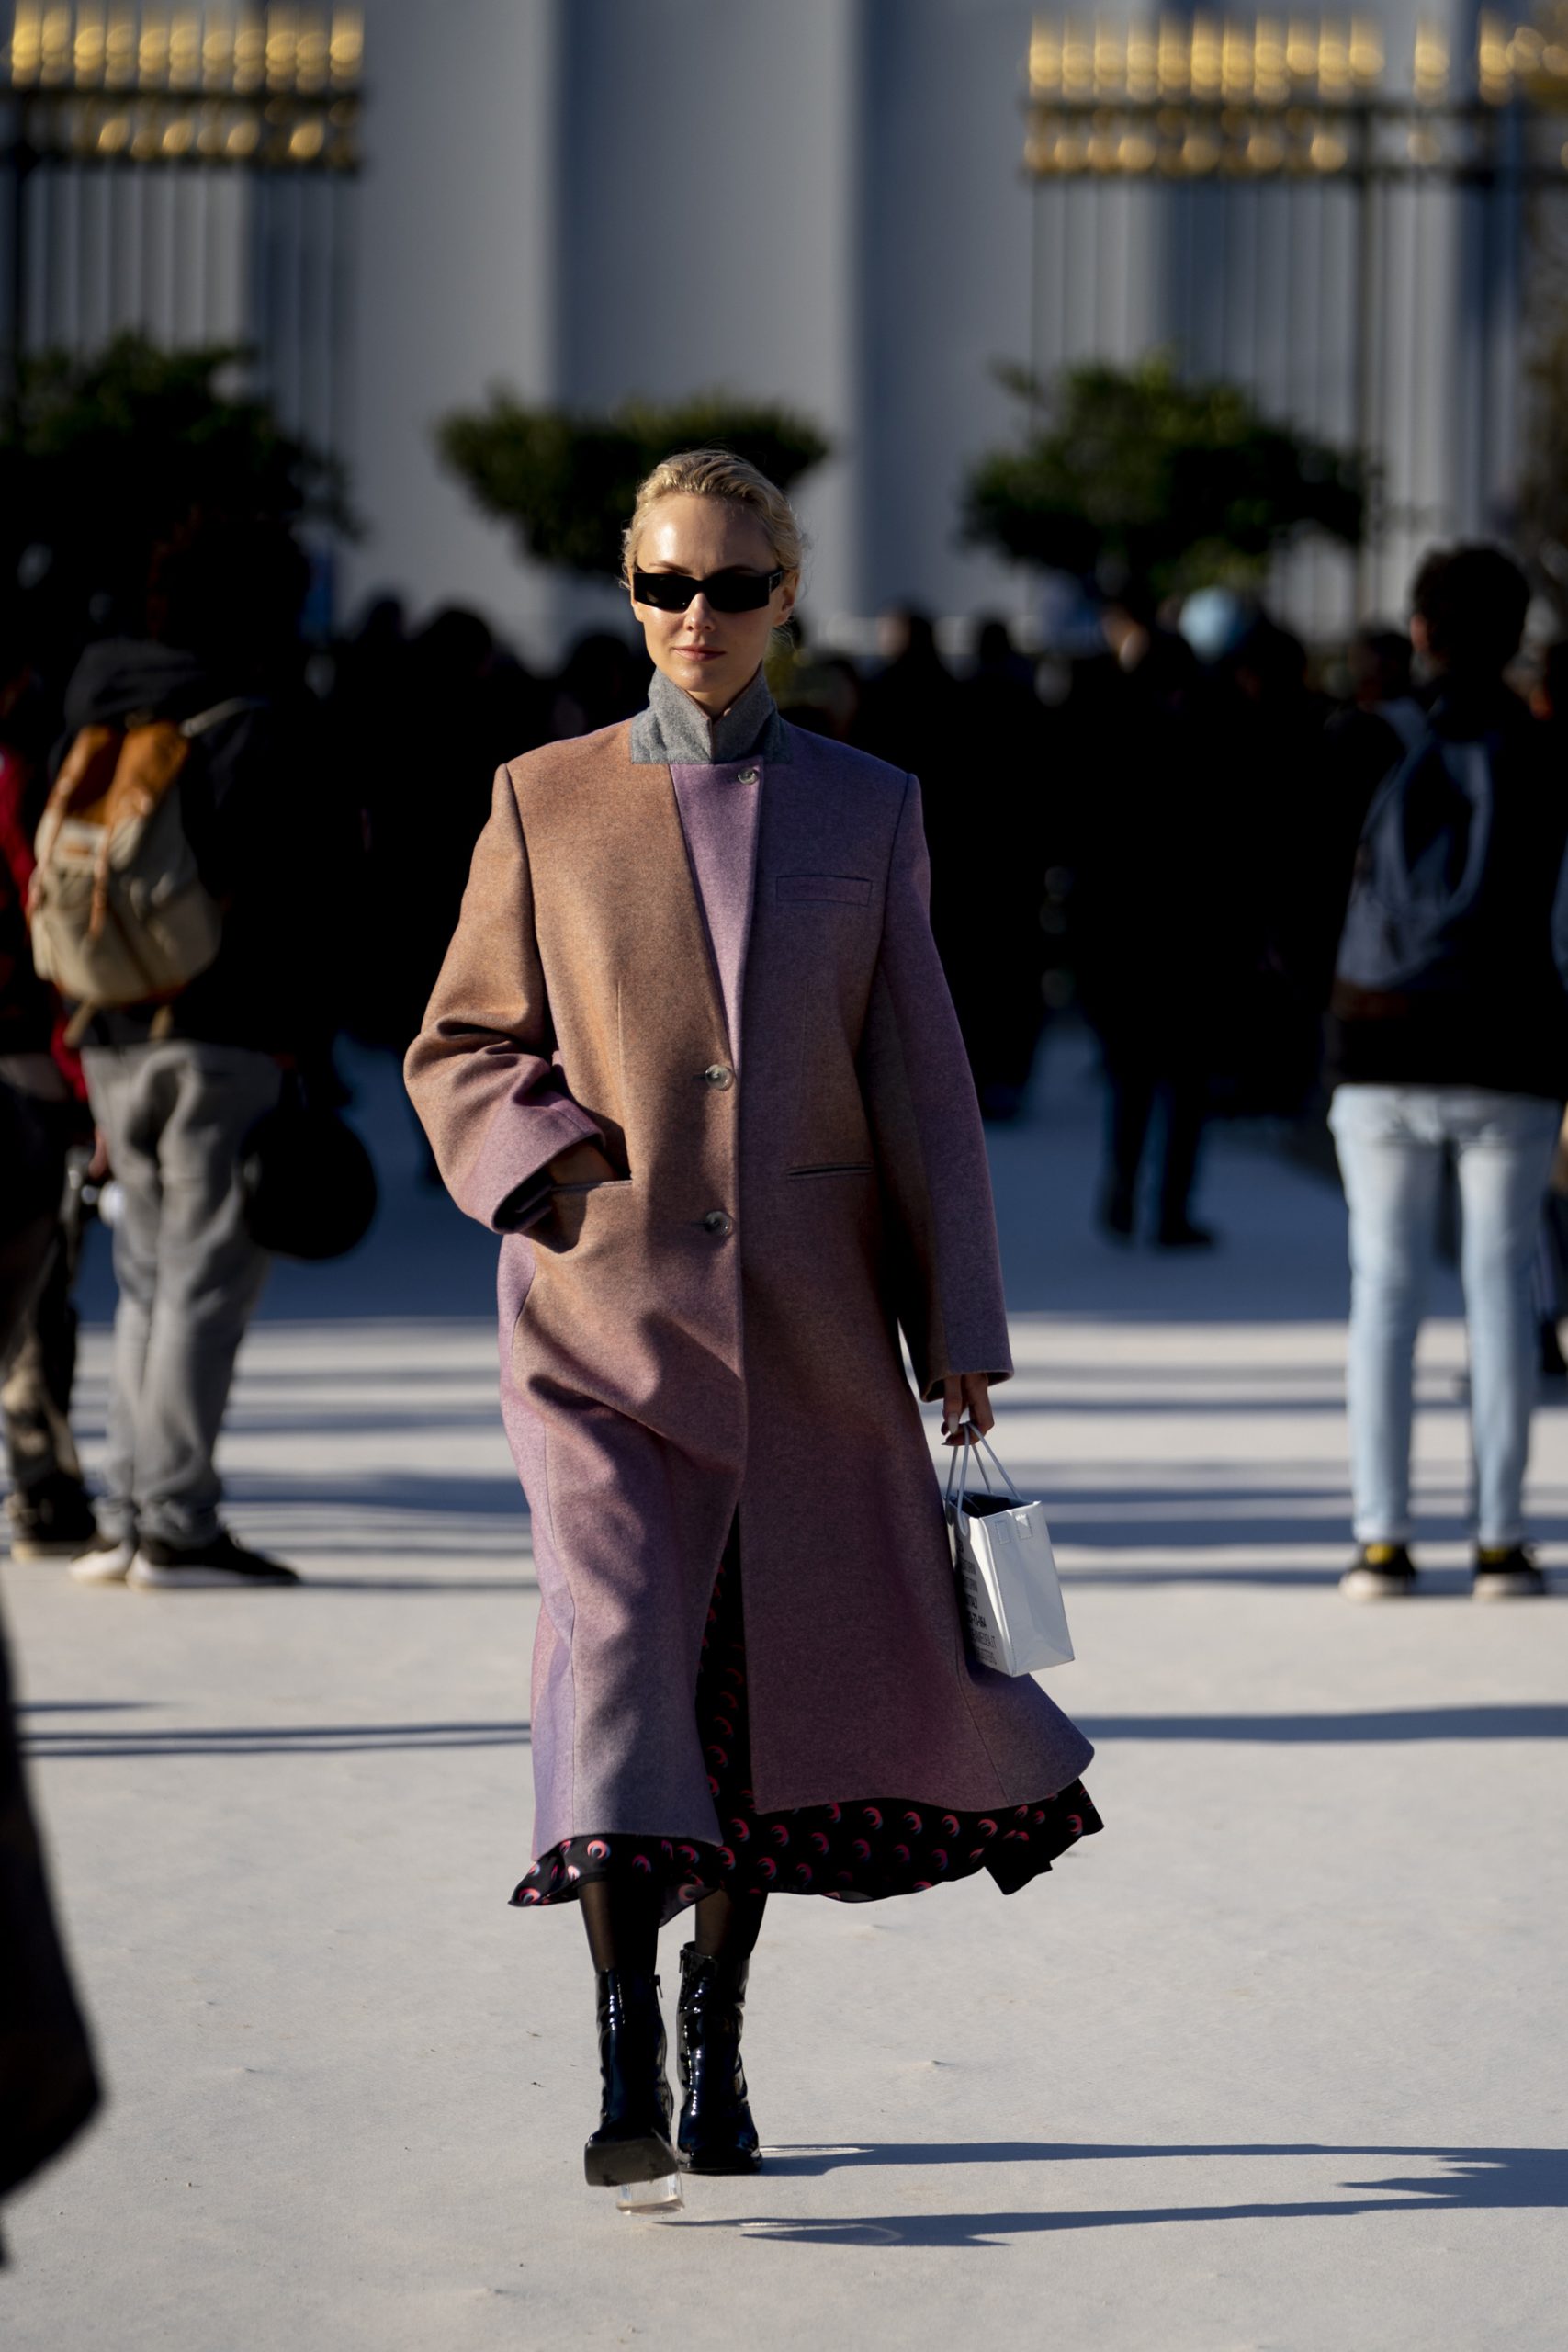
column 48, row 2087
column 1153, row 852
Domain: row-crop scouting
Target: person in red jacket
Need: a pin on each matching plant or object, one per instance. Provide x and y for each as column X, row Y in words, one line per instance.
column 48, row 1507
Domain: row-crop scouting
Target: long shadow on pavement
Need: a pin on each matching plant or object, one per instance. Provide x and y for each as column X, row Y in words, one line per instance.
column 274, row 1739
column 1482, row 2179
column 1501, row 1722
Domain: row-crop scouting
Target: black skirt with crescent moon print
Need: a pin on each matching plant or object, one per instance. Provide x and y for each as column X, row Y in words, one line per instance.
column 860, row 1852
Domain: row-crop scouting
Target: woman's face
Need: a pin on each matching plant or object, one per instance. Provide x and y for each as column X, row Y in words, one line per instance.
column 711, row 656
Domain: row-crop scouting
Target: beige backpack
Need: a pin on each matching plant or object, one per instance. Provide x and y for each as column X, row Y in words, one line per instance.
column 119, row 911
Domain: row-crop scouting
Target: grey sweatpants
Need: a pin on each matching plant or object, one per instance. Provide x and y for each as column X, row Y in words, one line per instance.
column 189, row 1276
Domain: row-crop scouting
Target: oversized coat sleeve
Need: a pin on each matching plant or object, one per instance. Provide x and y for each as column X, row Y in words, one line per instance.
column 482, row 1071
column 929, row 1143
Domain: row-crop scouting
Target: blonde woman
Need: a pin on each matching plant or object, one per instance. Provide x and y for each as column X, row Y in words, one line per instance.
column 692, row 1056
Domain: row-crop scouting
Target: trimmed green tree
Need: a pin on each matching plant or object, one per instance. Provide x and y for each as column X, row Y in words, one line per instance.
column 566, row 482
column 1174, row 485
column 100, row 457
column 1541, row 512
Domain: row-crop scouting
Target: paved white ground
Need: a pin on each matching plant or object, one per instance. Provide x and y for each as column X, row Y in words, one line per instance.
column 1278, row 2062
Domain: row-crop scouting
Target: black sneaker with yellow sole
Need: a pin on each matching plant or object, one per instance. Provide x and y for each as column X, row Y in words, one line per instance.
column 1379, row 1572
column 1507, row 1573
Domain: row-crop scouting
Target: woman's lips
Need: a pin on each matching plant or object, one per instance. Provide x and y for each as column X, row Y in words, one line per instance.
column 701, row 652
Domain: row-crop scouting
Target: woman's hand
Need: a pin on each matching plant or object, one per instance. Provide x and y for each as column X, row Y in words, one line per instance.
column 583, row 1164
column 966, row 1408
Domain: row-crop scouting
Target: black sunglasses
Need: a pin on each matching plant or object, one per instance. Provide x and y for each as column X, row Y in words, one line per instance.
column 726, row 592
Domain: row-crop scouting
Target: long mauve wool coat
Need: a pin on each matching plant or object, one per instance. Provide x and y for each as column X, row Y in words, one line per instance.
column 715, row 1332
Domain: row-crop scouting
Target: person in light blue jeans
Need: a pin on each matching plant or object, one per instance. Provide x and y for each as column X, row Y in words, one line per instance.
column 1448, row 1034
column 1392, row 1142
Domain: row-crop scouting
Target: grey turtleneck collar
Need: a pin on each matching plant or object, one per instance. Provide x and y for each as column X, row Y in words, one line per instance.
column 673, row 732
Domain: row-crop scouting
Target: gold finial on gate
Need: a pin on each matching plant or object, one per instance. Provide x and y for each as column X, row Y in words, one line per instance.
column 1431, row 71
column 1494, row 68
column 1174, row 51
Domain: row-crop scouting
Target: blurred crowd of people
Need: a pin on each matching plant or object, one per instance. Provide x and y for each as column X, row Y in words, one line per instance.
column 1140, row 831
column 1157, row 840
column 1157, row 835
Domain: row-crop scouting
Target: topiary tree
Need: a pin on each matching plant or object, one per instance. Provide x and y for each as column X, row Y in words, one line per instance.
column 102, row 457
column 565, row 483
column 1541, row 514
column 1175, row 485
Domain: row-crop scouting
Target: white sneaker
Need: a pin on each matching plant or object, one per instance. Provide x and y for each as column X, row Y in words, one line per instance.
column 106, row 1560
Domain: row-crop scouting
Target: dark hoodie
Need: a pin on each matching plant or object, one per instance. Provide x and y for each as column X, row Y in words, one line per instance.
column 252, row 799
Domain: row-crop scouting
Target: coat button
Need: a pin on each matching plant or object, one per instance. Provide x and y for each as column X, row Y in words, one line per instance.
column 719, row 1075
column 717, row 1224
column 746, row 775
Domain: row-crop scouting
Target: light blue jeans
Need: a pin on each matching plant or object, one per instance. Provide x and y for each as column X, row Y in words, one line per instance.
column 1391, row 1141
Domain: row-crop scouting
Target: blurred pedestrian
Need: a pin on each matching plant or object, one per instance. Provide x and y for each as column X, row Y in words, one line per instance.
column 1380, row 662
column 605, row 679
column 911, row 715
column 818, row 691
column 48, row 2086
column 1448, row 1037
column 371, row 662
column 1153, row 907
column 715, row 1223
column 31, row 1145
column 176, row 1083
column 910, row 705
column 1550, row 1283
column 48, row 1508
column 1268, row 754
column 1000, row 856
column 423, row 734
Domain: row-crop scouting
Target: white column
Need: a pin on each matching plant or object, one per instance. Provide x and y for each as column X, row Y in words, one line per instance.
column 455, row 288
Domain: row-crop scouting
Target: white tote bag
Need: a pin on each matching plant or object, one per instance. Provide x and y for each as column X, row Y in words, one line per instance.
column 1008, row 1587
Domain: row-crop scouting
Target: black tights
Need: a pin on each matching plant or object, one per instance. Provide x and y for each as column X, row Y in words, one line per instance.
column 621, row 1920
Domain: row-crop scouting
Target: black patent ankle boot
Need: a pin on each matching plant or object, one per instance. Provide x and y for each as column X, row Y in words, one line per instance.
column 632, row 2143
column 716, row 2132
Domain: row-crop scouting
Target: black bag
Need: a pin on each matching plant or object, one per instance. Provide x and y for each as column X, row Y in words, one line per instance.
column 309, row 1183
column 1419, row 920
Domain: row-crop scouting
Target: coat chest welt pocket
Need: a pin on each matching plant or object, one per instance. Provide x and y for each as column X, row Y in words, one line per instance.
column 823, row 889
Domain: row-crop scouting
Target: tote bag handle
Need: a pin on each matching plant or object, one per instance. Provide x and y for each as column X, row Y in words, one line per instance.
column 958, row 1469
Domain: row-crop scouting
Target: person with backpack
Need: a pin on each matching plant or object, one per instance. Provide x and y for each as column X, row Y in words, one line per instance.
column 177, row 902
column 1448, row 1036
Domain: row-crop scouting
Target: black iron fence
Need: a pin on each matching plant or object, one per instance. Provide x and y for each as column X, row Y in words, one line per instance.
column 1267, row 202
column 186, row 172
